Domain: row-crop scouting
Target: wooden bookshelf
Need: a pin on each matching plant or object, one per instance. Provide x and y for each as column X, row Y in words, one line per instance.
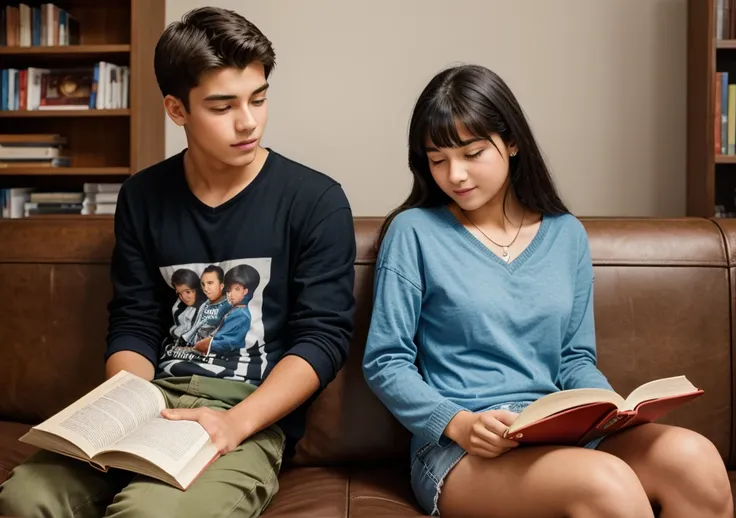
column 711, row 175
column 725, row 159
column 103, row 144
column 726, row 44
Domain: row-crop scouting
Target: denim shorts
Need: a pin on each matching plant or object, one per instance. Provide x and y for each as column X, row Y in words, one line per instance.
column 431, row 463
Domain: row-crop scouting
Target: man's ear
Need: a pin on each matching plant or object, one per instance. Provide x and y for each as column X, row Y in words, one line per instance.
column 175, row 110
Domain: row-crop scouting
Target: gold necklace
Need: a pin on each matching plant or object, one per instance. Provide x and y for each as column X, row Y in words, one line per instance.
column 504, row 248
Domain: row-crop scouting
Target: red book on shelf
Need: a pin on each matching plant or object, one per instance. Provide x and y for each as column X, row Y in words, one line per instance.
column 577, row 416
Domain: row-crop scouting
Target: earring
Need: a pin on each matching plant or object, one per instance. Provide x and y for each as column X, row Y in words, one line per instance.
column 514, row 153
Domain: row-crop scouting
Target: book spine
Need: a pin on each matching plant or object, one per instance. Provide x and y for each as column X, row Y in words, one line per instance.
column 724, row 112
column 612, row 422
column 717, row 117
column 732, row 119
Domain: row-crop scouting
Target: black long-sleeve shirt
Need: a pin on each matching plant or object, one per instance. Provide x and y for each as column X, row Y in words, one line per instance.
column 228, row 291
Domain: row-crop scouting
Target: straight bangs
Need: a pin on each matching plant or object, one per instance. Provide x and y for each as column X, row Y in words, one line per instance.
column 440, row 124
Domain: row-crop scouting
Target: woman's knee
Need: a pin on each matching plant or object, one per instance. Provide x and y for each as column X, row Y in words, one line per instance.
column 609, row 488
column 690, row 464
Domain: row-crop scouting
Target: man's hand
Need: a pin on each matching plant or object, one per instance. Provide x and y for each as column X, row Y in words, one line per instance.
column 290, row 383
column 220, row 425
column 482, row 434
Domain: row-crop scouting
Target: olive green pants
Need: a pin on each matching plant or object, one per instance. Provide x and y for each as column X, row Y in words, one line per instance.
column 241, row 483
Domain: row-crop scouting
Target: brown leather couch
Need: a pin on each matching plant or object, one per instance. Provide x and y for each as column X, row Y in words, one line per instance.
column 664, row 305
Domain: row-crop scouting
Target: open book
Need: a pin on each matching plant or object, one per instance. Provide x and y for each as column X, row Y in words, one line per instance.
column 119, row 425
column 577, row 416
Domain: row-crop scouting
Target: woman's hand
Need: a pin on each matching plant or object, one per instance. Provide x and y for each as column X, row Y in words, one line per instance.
column 482, row 434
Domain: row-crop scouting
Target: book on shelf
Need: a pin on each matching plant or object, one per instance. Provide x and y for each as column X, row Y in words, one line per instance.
column 119, row 425
column 725, row 22
column 577, row 416
column 724, row 115
column 12, row 202
column 34, row 25
column 50, row 208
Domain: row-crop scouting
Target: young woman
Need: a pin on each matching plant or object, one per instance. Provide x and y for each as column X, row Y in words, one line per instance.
column 484, row 303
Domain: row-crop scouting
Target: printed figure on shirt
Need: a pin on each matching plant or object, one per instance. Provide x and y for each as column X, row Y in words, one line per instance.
column 190, row 297
column 229, row 337
column 211, row 312
column 226, row 337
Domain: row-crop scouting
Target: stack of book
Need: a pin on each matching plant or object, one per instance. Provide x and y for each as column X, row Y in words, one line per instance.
column 32, row 150
column 100, row 198
column 24, row 202
column 53, row 203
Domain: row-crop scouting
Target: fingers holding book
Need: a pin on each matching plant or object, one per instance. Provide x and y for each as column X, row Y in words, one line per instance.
column 219, row 425
column 482, row 434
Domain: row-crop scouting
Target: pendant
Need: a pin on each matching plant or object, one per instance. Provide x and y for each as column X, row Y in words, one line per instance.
column 506, row 257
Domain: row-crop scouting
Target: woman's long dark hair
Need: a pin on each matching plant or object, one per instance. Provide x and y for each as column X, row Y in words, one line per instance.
column 480, row 100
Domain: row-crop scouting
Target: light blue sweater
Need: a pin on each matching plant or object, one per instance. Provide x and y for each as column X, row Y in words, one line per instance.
column 454, row 327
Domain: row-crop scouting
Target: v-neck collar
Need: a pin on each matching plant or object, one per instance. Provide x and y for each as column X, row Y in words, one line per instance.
column 515, row 263
column 224, row 206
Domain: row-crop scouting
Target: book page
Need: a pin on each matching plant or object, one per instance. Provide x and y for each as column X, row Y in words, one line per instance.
column 108, row 413
column 166, row 443
column 661, row 388
column 566, row 399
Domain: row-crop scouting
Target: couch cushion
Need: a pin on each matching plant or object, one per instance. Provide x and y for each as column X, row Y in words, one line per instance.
column 302, row 492
column 12, row 452
column 382, row 493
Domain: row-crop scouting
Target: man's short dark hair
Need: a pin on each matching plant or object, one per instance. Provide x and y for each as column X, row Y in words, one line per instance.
column 205, row 39
column 216, row 269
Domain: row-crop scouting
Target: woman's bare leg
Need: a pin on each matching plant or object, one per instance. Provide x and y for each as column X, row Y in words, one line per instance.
column 540, row 482
column 679, row 469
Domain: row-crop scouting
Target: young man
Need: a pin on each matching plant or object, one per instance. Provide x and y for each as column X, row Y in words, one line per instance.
column 225, row 201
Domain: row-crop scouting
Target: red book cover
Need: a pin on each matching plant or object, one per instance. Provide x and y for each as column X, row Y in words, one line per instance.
column 23, row 95
column 575, row 417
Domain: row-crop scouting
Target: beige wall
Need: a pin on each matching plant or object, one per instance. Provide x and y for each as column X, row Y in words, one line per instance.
column 602, row 81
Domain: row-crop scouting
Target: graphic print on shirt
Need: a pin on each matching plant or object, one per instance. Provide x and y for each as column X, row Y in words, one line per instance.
column 217, row 325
